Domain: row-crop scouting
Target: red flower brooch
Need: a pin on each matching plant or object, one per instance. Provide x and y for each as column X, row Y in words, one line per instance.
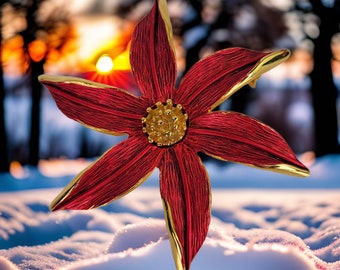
column 167, row 127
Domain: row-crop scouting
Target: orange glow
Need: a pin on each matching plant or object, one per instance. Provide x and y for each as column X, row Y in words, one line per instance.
column 11, row 47
column 57, row 46
column 37, row 50
column 118, row 49
column 122, row 61
column 17, row 170
column 14, row 60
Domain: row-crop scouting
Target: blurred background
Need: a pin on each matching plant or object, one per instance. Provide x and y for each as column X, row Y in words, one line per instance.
column 91, row 39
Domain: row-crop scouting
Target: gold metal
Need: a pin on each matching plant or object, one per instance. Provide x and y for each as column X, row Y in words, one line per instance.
column 278, row 168
column 265, row 64
column 288, row 170
column 253, row 82
column 165, row 123
column 70, row 79
column 163, row 8
column 83, row 82
column 64, row 193
column 176, row 247
column 68, row 189
column 101, row 130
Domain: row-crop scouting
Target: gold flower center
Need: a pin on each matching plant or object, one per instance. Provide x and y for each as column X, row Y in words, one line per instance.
column 165, row 123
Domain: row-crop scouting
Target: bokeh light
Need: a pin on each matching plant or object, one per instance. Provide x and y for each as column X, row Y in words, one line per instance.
column 104, row 64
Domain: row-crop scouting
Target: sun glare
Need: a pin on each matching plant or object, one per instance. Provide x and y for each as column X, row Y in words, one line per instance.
column 104, row 64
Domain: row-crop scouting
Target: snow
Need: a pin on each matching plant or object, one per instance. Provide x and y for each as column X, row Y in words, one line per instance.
column 260, row 220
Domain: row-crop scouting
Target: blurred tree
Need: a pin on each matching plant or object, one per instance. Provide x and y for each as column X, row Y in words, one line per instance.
column 217, row 24
column 37, row 58
column 46, row 32
column 4, row 163
column 261, row 25
column 212, row 25
column 324, row 91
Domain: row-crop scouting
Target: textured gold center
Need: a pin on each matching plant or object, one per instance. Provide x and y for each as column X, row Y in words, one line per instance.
column 165, row 123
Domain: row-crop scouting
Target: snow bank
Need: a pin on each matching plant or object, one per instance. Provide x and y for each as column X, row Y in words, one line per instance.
column 264, row 229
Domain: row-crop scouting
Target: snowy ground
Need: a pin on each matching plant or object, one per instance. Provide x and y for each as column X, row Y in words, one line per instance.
column 261, row 220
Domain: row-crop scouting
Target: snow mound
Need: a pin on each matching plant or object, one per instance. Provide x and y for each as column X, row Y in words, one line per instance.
column 267, row 229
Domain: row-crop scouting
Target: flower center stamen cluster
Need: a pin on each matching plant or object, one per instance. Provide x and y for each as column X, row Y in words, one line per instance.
column 165, row 123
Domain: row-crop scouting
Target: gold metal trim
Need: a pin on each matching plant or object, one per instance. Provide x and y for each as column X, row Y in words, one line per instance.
column 176, row 247
column 69, row 79
column 265, row 64
column 68, row 189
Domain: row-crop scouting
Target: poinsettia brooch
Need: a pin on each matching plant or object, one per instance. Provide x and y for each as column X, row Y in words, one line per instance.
column 167, row 127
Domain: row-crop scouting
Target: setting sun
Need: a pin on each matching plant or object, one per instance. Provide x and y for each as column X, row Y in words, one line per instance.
column 104, row 64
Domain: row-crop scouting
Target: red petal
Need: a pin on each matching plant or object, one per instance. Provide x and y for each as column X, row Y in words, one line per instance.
column 152, row 57
column 185, row 190
column 213, row 79
column 236, row 137
column 122, row 79
column 117, row 172
column 98, row 106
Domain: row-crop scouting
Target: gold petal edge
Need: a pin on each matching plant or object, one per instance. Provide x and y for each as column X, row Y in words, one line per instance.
column 163, row 8
column 69, row 79
column 71, row 185
column 176, row 247
column 277, row 168
column 265, row 64
column 288, row 169
column 102, row 130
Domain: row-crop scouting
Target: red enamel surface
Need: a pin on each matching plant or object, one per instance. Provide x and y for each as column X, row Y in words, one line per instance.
column 152, row 59
column 239, row 138
column 185, row 186
column 109, row 109
column 211, row 78
column 117, row 172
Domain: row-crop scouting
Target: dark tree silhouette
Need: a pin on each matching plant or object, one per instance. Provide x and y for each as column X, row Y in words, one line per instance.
column 4, row 163
column 45, row 32
column 36, row 69
column 324, row 91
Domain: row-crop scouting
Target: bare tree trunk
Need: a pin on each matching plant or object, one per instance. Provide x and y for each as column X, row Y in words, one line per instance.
column 324, row 91
column 4, row 163
column 36, row 90
column 36, row 68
